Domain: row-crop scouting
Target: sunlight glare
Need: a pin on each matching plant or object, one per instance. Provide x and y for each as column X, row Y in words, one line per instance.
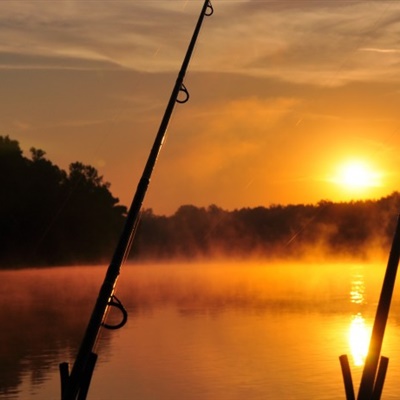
column 359, row 335
column 357, row 175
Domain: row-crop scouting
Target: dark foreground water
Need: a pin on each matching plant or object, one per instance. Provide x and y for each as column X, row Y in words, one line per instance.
column 195, row 331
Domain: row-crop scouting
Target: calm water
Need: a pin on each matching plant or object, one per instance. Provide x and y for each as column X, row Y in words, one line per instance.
column 226, row 332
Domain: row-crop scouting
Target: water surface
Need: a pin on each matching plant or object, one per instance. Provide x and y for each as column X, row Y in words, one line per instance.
column 198, row 331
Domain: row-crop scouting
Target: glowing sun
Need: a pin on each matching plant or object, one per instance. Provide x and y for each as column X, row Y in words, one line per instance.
column 357, row 175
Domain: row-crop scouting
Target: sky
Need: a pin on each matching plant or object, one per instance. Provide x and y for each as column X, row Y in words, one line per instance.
column 290, row 101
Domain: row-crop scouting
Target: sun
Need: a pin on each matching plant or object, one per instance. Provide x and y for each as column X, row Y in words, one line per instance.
column 356, row 175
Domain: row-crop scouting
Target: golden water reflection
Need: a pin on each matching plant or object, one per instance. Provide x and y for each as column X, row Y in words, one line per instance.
column 357, row 292
column 359, row 332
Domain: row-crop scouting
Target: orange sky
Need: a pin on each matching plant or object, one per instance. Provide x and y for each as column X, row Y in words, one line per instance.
column 282, row 94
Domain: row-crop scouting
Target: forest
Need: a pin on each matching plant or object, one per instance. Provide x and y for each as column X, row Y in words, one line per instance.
column 49, row 216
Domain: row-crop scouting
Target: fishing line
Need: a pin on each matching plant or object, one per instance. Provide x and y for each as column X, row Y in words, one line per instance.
column 181, row 100
column 367, row 35
column 364, row 38
column 304, row 227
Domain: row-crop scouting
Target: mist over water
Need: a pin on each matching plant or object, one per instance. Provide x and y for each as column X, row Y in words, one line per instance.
column 247, row 286
column 211, row 325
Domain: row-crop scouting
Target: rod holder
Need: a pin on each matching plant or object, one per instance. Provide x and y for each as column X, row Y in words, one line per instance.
column 347, row 379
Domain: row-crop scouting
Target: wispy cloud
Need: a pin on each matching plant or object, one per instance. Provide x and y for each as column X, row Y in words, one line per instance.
column 376, row 50
column 303, row 41
column 122, row 33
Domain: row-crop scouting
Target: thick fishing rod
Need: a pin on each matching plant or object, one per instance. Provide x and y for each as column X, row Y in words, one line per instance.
column 375, row 367
column 75, row 385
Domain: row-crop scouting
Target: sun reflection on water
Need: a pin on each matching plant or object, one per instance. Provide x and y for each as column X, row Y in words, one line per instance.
column 359, row 334
column 357, row 289
column 359, row 331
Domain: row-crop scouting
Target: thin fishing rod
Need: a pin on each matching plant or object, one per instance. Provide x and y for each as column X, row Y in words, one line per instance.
column 75, row 385
column 374, row 364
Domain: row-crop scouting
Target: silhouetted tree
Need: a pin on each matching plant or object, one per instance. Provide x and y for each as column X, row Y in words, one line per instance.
column 13, row 184
column 91, row 215
column 275, row 231
column 51, row 217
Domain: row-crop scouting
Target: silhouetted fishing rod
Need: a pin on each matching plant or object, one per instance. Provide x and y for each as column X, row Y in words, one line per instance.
column 374, row 372
column 375, row 367
column 75, row 385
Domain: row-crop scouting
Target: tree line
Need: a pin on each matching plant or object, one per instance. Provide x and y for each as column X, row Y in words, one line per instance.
column 356, row 229
column 51, row 217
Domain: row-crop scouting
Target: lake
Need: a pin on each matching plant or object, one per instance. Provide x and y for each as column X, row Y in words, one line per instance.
column 212, row 331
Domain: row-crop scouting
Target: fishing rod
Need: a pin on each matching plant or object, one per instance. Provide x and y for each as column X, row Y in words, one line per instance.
column 75, row 385
column 375, row 368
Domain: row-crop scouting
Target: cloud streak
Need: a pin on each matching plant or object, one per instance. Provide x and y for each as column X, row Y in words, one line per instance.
column 302, row 41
